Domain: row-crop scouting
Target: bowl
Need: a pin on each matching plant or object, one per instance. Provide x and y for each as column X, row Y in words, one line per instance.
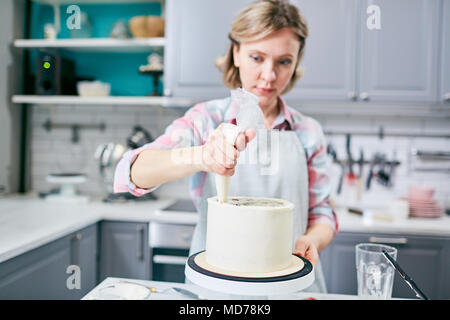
column 146, row 26
column 93, row 89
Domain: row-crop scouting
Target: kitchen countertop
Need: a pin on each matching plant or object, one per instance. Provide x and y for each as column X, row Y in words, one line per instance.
column 164, row 293
column 27, row 222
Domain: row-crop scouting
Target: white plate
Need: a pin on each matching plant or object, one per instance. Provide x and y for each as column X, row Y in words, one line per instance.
column 123, row 291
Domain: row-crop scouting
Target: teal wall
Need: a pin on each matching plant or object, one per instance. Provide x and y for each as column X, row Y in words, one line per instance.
column 118, row 69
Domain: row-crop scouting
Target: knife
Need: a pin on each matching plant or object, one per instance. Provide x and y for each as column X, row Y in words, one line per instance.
column 187, row 293
column 408, row 280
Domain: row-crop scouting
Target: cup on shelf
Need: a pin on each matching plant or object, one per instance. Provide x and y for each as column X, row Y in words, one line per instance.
column 398, row 209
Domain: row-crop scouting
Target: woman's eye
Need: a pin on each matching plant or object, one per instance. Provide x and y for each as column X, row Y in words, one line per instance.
column 286, row 62
column 255, row 58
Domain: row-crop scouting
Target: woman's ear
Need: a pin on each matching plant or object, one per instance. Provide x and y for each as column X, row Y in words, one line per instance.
column 236, row 60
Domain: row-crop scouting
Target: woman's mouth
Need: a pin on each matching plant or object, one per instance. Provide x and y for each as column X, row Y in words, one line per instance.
column 265, row 91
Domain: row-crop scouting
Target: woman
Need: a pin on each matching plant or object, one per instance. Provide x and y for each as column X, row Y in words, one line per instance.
column 267, row 45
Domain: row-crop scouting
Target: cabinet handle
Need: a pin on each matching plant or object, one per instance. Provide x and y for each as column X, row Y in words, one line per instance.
column 388, row 240
column 174, row 260
column 140, row 252
column 446, row 97
column 352, row 95
column 167, row 92
column 364, row 96
column 75, row 254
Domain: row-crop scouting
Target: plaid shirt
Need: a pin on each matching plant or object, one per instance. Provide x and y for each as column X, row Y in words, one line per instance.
column 194, row 128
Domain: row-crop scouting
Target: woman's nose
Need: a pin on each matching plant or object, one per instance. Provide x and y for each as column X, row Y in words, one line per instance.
column 268, row 73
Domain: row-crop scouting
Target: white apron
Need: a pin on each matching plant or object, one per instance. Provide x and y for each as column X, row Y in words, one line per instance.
column 281, row 172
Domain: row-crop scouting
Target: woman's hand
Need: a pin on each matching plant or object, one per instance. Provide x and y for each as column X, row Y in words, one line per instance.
column 305, row 247
column 220, row 156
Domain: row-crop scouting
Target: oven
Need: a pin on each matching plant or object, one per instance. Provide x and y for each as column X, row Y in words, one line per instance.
column 170, row 241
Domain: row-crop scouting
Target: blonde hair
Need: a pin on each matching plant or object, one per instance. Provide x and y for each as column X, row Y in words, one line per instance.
column 256, row 21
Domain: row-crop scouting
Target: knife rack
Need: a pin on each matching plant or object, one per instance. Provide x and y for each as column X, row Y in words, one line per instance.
column 75, row 127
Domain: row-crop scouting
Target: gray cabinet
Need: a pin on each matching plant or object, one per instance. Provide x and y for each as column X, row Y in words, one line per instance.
column 399, row 62
column 330, row 53
column 197, row 33
column 344, row 59
column 423, row 258
column 444, row 92
column 42, row 273
column 124, row 250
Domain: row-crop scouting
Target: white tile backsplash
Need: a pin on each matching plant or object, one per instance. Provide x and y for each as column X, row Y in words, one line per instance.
column 53, row 151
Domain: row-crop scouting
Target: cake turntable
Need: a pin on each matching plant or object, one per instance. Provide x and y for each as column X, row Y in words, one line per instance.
column 297, row 276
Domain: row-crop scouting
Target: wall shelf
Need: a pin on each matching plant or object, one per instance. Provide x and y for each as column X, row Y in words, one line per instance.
column 67, row 2
column 94, row 44
column 167, row 102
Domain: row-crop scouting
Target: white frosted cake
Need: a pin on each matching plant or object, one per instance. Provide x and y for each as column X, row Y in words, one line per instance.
column 249, row 234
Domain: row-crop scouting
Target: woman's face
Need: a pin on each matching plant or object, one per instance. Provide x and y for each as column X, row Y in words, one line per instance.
column 266, row 65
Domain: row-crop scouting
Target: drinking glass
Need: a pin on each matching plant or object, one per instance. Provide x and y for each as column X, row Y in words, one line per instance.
column 375, row 274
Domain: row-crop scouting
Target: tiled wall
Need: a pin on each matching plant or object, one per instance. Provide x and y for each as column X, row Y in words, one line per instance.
column 54, row 152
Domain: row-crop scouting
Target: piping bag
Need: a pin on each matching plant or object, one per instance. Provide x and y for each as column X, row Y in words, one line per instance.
column 248, row 115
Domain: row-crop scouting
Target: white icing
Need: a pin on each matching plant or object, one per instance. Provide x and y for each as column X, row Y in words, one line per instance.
column 249, row 238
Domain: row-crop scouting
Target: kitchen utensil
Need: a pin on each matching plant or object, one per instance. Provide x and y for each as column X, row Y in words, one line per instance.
column 248, row 115
column 382, row 176
column 419, row 293
column 377, row 160
column 360, row 174
column 332, row 151
column 139, row 137
column 299, row 276
column 350, row 175
column 109, row 154
column 152, row 289
column 230, row 132
column 370, row 175
column 392, row 167
column 375, row 277
column 187, row 293
column 182, row 291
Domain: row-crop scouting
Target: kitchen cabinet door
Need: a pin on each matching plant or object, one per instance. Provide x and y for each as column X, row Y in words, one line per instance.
column 424, row 258
column 197, row 33
column 84, row 253
column 330, row 53
column 42, row 272
column 445, row 53
column 398, row 62
column 124, row 250
column 338, row 263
